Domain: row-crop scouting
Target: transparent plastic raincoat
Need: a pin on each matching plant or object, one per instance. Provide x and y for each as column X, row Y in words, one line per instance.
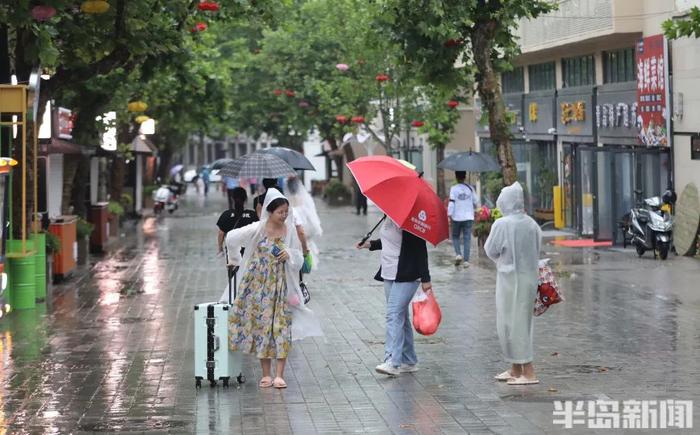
column 306, row 215
column 304, row 321
column 514, row 245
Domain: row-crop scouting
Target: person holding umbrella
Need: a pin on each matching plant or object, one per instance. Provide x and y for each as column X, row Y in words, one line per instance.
column 415, row 215
column 460, row 209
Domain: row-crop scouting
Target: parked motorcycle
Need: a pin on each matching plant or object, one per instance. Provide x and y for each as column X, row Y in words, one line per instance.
column 165, row 198
column 649, row 226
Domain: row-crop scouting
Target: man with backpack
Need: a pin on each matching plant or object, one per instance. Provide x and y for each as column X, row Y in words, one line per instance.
column 461, row 207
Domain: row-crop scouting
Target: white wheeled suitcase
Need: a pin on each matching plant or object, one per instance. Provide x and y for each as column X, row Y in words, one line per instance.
column 213, row 360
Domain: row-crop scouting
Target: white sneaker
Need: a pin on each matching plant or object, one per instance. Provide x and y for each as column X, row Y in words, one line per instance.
column 458, row 260
column 466, row 264
column 408, row 368
column 386, row 368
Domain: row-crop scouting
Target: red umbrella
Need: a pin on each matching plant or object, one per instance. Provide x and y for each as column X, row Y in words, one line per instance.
column 403, row 195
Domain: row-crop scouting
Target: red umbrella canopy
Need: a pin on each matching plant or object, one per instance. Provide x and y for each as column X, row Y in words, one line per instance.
column 402, row 195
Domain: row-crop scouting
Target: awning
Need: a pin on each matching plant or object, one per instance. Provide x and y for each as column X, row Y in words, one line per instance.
column 59, row 146
column 141, row 145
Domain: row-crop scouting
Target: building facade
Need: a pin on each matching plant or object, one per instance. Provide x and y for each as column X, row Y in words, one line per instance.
column 600, row 102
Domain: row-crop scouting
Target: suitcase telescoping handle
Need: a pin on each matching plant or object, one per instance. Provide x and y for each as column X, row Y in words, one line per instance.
column 231, row 272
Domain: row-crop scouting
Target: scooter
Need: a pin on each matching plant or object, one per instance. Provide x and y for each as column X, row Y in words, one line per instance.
column 649, row 226
column 165, row 198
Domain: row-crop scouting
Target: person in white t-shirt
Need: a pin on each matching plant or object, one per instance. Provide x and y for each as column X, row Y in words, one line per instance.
column 463, row 201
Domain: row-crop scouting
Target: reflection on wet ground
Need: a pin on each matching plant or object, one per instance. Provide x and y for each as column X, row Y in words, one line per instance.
column 112, row 349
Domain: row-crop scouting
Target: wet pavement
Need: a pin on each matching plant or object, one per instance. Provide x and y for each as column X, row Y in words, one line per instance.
column 112, row 353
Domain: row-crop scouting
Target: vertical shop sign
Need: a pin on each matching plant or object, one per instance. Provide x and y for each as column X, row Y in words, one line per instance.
column 653, row 120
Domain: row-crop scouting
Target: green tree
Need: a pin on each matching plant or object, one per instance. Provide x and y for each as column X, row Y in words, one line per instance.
column 438, row 34
column 688, row 26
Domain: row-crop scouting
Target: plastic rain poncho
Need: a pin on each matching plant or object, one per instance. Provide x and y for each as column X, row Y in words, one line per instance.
column 514, row 245
column 305, row 215
column 304, row 322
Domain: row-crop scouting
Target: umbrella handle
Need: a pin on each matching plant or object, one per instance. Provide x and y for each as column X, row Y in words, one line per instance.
column 362, row 242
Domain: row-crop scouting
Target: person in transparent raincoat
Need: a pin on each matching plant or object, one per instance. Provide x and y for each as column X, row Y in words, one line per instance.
column 514, row 245
column 306, row 216
column 269, row 311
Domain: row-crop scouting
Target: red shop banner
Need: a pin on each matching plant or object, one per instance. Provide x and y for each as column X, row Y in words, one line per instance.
column 652, row 91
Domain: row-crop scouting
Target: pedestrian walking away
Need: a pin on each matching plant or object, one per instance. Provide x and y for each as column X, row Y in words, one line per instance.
column 463, row 201
column 269, row 311
column 404, row 266
column 360, row 201
column 205, row 179
column 231, row 183
column 514, row 245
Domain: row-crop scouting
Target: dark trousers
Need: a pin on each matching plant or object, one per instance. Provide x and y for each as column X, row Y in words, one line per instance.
column 360, row 202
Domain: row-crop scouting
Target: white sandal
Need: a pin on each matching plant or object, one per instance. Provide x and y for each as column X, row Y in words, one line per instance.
column 503, row 376
column 522, row 380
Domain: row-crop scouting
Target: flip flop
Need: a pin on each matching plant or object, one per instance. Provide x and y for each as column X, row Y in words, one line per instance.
column 502, row 377
column 279, row 383
column 265, row 382
column 522, row 380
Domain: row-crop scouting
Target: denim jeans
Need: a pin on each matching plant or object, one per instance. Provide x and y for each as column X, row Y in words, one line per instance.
column 398, row 347
column 462, row 228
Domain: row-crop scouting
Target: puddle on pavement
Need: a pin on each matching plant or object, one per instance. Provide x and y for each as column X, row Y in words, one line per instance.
column 133, row 425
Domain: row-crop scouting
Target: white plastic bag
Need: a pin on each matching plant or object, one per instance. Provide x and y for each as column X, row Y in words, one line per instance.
column 419, row 295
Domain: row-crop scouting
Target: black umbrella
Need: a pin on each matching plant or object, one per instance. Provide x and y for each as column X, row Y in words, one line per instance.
column 220, row 163
column 470, row 161
column 295, row 159
column 258, row 165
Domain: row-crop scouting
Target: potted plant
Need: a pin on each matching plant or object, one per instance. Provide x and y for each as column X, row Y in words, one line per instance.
column 83, row 231
column 53, row 245
column 115, row 210
column 336, row 193
column 483, row 219
column 127, row 201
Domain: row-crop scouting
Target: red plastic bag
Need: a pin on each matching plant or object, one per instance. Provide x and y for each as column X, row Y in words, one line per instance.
column 548, row 292
column 426, row 313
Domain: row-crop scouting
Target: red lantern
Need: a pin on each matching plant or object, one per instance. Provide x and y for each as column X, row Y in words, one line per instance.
column 290, row 93
column 341, row 119
column 42, row 12
column 208, row 6
column 382, row 78
column 453, row 104
column 418, row 124
column 278, row 92
column 358, row 119
column 199, row 27
column 451, row 43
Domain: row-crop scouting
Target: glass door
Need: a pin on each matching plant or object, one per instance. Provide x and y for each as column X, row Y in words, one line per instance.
column 568, row 186
column 604, row 197
column 586, row 189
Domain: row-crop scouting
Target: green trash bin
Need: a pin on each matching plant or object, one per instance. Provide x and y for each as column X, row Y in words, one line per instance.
column 22, row 280
column 39, row 246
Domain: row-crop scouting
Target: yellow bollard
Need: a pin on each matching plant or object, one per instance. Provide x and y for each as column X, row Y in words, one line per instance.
column 558, row 209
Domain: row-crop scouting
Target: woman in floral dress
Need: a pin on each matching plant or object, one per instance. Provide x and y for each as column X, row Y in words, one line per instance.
column 268, row 299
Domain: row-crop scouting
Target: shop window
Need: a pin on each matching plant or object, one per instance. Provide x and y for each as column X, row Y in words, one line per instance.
column 695, row 147
column 542, row 76
column 618, row 66
column 578, row 71
column 513, row 81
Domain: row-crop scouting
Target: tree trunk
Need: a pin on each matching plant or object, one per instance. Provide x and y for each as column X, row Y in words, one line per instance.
column 441, row 188
column 482, row 37
column 339, row 159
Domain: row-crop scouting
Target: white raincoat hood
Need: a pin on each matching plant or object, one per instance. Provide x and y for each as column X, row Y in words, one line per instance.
column 511, row 200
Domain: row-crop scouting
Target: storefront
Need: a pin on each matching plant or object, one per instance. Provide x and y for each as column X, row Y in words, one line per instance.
column 537, row 156
column 575, row 128
column 622, row 165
